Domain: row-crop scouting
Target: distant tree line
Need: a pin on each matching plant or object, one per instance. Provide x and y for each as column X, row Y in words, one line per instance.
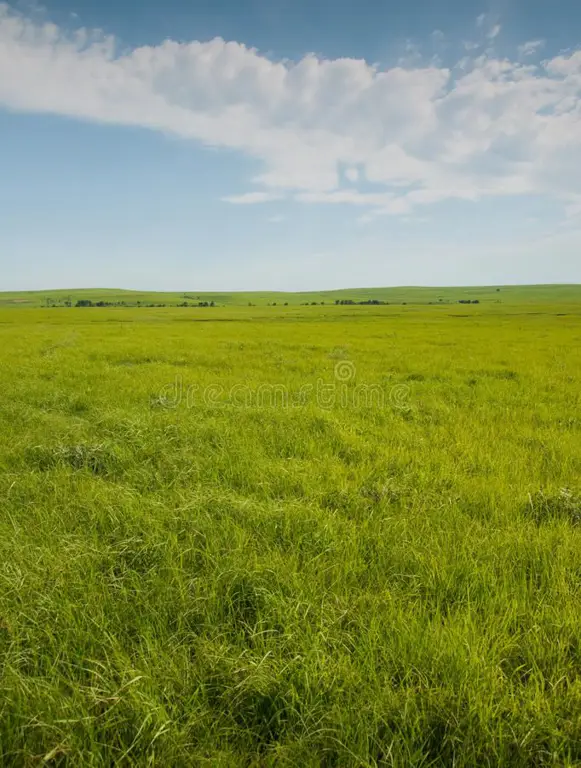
column 367, row 302
column 377, row 302
column 89, row 303
column 68, row 302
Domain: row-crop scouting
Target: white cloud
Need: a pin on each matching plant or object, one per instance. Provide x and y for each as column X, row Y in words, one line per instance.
column 565, row 65
column 530, row 48
column 352, row 175
column 349, row 196
column 421, row 133
column 573, row 209
column 493, row 30
column 252, row 198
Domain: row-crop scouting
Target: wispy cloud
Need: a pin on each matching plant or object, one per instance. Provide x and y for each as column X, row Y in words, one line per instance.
column 573, row 209
column 252, row 198
column 420, row 133
column 530, row 48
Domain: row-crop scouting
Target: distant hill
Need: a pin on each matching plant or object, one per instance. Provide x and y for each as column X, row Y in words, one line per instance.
column 405, row 294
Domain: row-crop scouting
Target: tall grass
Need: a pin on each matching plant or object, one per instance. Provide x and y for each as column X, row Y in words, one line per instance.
column 349, row 584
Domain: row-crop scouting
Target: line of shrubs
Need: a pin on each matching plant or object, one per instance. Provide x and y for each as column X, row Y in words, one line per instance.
column 368, row 302
column 89, row 303
column 338, row 302
column 377, row 302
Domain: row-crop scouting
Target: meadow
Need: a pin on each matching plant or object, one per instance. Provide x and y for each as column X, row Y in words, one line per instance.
column 511, row 294
column 292, row 536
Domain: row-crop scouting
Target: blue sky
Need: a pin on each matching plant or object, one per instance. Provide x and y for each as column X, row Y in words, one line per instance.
column 289, row 145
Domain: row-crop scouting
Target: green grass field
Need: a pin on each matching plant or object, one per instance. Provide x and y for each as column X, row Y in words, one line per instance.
column 509, row 294
column 292, row 536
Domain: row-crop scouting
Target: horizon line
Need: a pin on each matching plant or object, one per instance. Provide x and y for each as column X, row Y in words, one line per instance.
column 295, row 292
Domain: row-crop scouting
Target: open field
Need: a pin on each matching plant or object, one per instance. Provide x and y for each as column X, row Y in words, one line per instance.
column 292, row 536
column 509, row 294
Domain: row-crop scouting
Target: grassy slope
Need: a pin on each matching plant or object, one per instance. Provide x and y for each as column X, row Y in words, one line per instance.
column 506, row 294
column 334, row 583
